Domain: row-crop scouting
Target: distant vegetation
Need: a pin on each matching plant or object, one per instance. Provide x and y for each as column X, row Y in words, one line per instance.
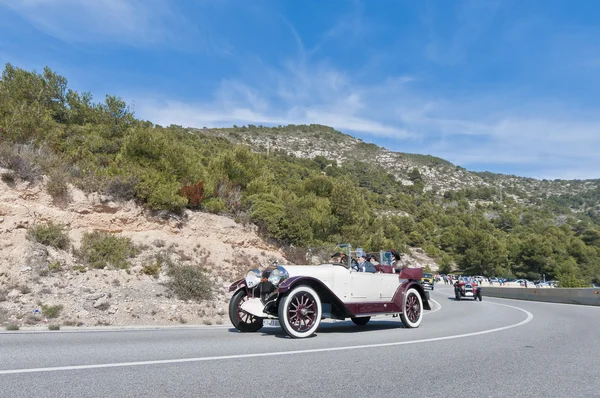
column 48, row 129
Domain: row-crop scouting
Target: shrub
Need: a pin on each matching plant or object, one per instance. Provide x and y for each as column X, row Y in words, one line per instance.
column 152, row 269
column 12, row 326
column 50, row 235
column 57, row 186
column 55, row 266
column 194, row 193
column 214, row 205
column 101, row 249
column 160, row 192
column 189, row 282
column 54, row 326
column 8, row 178
column 52, row 311
column 122, row 189
column 24, row 169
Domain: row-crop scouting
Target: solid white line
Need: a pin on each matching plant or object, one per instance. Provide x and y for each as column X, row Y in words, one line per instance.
column 272, row 354
column 544, row 302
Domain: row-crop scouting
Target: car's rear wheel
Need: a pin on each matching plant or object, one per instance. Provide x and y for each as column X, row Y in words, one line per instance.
column 479, row 296
column 241, row 320
column 300, row 312
column 361, row 321
column 412, row 310
column 456, row 295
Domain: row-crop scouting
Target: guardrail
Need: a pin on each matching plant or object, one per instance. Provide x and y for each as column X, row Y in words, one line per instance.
column 587, row 296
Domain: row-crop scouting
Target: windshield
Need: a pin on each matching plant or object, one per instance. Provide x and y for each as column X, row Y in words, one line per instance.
column 427, row 275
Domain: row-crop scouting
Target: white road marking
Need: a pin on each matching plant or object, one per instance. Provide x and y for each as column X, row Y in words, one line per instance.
column 545, row 302
column 272, row 354
column 439, row 307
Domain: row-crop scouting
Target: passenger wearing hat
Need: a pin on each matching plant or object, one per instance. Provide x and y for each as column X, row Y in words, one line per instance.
column 364, row 265
column 336, row 257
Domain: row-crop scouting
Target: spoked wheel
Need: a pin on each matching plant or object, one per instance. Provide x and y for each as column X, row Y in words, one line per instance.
column 300, row 312
column 361, row 321
column 412, row 311
column 241, row 320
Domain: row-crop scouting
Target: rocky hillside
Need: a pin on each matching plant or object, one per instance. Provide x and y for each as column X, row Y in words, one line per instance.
column 41, row 285
column 436, row 173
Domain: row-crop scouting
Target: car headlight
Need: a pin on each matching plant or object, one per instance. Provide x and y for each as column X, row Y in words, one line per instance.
column 252, row 278
column 278, row 275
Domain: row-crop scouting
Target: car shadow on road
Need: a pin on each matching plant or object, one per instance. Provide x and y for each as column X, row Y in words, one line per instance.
column 464, row 299
column 337, row 327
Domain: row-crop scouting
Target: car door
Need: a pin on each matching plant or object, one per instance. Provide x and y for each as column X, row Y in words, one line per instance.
column 389, row 285
column 364, row 286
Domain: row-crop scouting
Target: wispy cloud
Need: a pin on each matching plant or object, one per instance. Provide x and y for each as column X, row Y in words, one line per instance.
column 297, row 93
column 136, row 22
column 468, row 132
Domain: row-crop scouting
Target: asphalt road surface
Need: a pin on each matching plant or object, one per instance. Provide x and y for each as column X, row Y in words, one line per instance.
column 494, row 348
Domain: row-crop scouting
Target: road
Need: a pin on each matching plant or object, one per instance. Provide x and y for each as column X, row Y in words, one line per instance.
column 494, row 348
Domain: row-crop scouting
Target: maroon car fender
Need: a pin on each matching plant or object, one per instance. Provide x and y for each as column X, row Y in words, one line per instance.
column 398, row 298
column 325, row 294
column 237, row 285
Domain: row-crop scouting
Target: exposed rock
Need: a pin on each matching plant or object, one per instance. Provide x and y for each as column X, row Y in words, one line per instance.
column 102, row 303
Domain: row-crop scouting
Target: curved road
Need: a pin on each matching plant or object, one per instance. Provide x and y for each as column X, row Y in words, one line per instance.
column 494, row 348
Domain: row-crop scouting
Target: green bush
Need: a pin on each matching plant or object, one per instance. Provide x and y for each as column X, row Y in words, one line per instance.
column 214, row 205
column 50, row 235
column 152, row 269
column 189, row 282
column 57, row 186
column 101, row 249
column 52, row 311
column 161, row 192
column 12, row 326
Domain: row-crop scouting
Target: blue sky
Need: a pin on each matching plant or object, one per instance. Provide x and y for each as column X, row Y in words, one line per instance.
column 502, row 86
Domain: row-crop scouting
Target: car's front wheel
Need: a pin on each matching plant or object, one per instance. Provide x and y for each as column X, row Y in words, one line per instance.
column 412, row 310
column 361, row 321
column 300, row 312
column 241, row 320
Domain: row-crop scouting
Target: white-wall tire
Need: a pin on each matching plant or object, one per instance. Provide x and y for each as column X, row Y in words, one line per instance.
column 300, row 312
column 412, row 309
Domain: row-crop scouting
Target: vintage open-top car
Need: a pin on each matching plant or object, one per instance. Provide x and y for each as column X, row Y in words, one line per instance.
column 427, row 280
column 467, row 289
column 299, row 296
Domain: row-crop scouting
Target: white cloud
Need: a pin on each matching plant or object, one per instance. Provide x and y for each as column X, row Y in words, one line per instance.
column 488, row 130
column 137, row 22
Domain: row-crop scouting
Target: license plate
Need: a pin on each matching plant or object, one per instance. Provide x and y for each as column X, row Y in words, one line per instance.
column 270, row 322
column 468, row 293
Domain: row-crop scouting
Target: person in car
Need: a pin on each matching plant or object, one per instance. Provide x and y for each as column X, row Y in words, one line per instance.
column 372, row 259
column 364, row 265
column 336, row 258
